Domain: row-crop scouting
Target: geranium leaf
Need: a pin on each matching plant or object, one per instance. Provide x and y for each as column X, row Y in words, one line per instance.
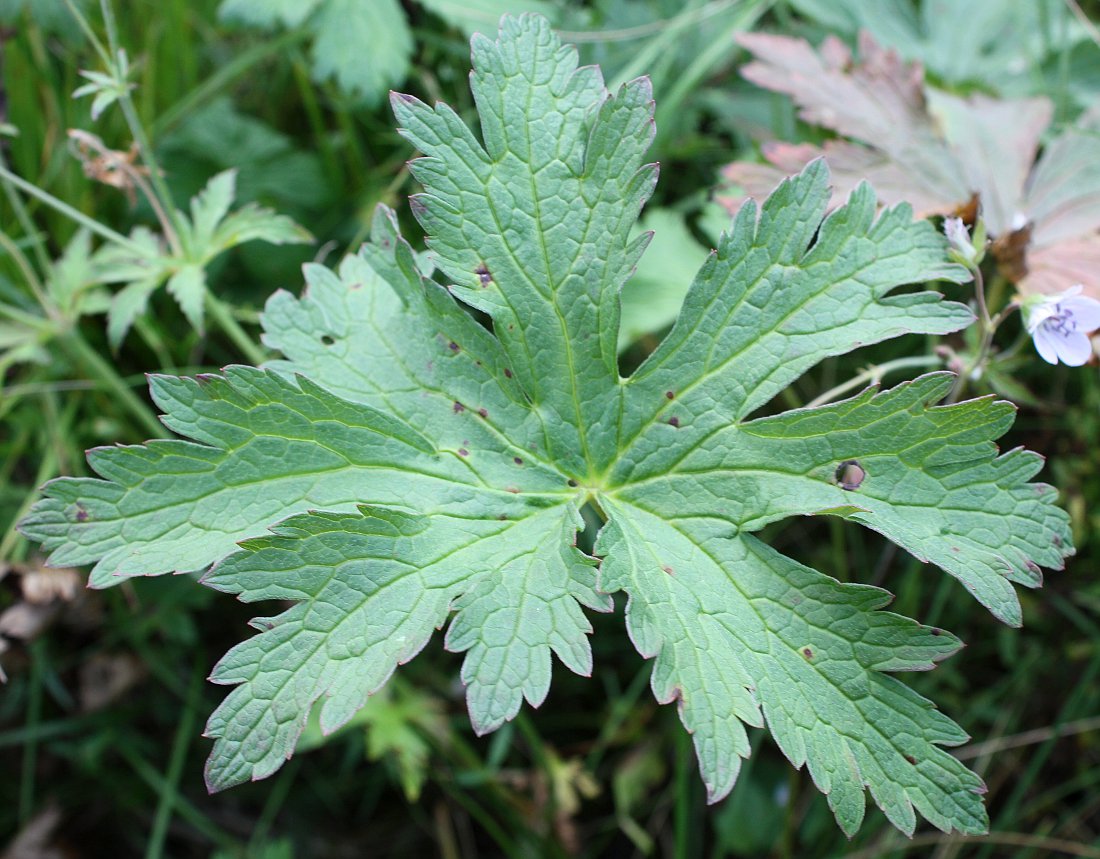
column 407, row 463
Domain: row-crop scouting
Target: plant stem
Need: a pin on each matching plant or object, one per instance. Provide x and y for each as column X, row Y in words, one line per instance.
column 979, row 292
column 28, row 273
column 24, row 218
column 173, row 227
column 219, row 311
column 98, row 368
column 67, row 210
column 47, row 468
column 170, row 787
column 873, row 375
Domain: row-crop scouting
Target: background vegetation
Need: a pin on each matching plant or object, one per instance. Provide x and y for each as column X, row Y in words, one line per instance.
column 101, row 714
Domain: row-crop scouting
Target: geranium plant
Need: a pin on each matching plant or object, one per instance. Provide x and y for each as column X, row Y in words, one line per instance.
column 407, row 464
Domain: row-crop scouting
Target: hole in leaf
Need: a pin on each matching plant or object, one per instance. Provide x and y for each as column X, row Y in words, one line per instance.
column 849, row 475
column 328, row 339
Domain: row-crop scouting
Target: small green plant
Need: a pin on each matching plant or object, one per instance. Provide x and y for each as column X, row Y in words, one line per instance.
column 405, row 461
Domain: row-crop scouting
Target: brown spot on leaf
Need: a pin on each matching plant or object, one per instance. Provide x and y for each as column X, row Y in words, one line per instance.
column 849, row 475
column 507, row 373
column 458, row 407
column 668, row 570
column 670, row 395
column 463, row 452
column 674, row 421
column 517, row 460
column 808, row 652
column 911, row 759
column 937, row 631
column 483, row 412
column 513, row 490
column 81, row 514
column 454, row 347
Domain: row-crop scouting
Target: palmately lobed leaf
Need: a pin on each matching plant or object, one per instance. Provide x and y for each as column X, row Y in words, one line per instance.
column 405, row 465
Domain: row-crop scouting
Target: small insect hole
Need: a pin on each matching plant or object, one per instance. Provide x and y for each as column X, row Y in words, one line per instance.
column 454, row 347
column 482, row 272
column 483, row 412
column 849, row 475
column 670, row 395
column 808, row 652
column 328, row 339
column 458, row 407
column 572, row 483
column 674, row 421
column 463, row 452
column 517, row 460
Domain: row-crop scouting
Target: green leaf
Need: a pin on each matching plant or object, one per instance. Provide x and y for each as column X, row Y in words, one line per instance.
column 188, row 287
column 256, row 223
column 127, row 304
column 405, row 465
column 209, row 207
column 73, row 273
column 267, row 13
column 341, row 30
column 365, row 46
column 507, row 231
column 144, row 263
column 474, row 16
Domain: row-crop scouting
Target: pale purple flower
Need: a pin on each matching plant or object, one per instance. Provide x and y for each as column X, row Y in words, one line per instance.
column 958, row 236
column 1060, row 326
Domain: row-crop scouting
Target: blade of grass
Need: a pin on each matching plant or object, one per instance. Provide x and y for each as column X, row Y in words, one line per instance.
column 169, row 794
column 29, row 769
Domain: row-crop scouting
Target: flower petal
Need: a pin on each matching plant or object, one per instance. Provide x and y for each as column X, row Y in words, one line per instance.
column 1046, row 343
column 1074, row 349
column 1086, row 312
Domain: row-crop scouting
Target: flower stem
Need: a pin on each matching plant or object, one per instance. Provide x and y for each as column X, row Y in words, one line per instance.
column 872, row 375
column 221, row 314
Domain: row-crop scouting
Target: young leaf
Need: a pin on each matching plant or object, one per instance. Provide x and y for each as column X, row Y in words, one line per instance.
column 144, row 264
column 404, row 461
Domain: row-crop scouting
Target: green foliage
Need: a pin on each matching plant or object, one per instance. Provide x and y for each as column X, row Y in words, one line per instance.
column 403, row 462
column 366, row 47
column 144, row 263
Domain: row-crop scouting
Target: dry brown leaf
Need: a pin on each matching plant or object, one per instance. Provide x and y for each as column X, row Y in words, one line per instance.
column 33, row 842
column 938, row 151
column 106, row 677
column 45, row 584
